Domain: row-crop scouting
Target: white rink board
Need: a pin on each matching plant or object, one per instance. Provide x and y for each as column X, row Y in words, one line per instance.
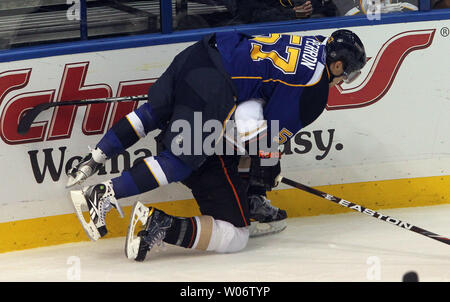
column 404, row 134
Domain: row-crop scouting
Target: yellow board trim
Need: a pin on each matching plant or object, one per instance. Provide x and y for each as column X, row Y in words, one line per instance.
column 399, row 193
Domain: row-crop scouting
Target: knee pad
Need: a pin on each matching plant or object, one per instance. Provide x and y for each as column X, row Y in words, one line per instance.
column 226, row 238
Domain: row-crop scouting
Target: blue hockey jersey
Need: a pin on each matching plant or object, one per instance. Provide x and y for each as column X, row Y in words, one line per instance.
column 278, row 68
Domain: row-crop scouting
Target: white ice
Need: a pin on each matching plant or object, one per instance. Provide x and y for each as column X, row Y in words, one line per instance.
column 345, row 247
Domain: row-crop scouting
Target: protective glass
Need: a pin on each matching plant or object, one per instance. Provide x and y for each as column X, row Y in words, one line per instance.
column 350, row 77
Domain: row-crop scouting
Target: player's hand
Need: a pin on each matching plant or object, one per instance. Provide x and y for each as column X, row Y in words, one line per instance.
column 268, row 167
column 303, row 11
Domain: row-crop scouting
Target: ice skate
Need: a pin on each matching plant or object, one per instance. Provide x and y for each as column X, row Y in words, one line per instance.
column 265, row 218
column 98, row 200
column 87, row 167
column 155, row 224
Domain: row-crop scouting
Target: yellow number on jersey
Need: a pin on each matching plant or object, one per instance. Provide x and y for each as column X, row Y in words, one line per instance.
column 288, row 65
column 284, row 135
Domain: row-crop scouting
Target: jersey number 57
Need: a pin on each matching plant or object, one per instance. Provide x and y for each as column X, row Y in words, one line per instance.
column 283, row 56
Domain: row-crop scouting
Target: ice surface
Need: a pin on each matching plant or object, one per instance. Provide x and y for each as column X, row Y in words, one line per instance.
column 345, row 247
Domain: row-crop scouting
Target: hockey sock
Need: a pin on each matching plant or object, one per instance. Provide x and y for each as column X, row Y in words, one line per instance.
column 128, row 130
column 150, row 173
column 207, row 234
column 193, row 232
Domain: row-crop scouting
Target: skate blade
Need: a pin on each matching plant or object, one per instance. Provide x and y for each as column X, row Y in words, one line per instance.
column 79, row 178
column 138, row 214
column 258, row 229
column 78, row 201
column 75, row 180
column 71, row 182
column 119, row 209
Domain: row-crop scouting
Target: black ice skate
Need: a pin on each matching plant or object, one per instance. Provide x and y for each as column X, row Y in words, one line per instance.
column 155, row 222
column 266, row 219
column 99, row 199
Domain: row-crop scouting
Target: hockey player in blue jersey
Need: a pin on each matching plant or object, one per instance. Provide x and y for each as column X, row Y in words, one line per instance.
column 226, row 76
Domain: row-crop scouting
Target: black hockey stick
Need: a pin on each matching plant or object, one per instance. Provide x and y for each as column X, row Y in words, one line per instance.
column 366, row 211
column 30, row 115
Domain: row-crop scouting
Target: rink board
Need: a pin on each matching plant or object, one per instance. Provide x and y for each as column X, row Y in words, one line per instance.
column 46, row 231
column 382, row 142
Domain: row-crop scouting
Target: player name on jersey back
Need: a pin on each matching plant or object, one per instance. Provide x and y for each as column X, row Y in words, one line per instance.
column 310, row 53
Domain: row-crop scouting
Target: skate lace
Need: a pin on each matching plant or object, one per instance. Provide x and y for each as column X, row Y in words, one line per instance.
column 155, row 239
column 158, row 240
column 107, row 205
column 108, row 199
column 156, row 234
column 262, row 206
column 104, row 207
column 267, row 205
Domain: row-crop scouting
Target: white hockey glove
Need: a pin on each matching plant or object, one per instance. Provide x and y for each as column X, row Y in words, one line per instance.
column 87, row 167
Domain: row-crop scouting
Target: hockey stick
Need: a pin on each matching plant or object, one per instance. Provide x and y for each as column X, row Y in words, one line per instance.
column 364, row 210
column 30, row 115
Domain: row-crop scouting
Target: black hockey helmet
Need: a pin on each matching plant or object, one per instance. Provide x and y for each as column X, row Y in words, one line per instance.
column 345, row 46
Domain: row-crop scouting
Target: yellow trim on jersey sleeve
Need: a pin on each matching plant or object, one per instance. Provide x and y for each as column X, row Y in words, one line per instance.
column 154, row 176
column 280, row 81
column 293, row 85
column 132, row 126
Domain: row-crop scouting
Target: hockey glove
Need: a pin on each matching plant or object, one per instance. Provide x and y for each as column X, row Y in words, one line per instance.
column 264, row 176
